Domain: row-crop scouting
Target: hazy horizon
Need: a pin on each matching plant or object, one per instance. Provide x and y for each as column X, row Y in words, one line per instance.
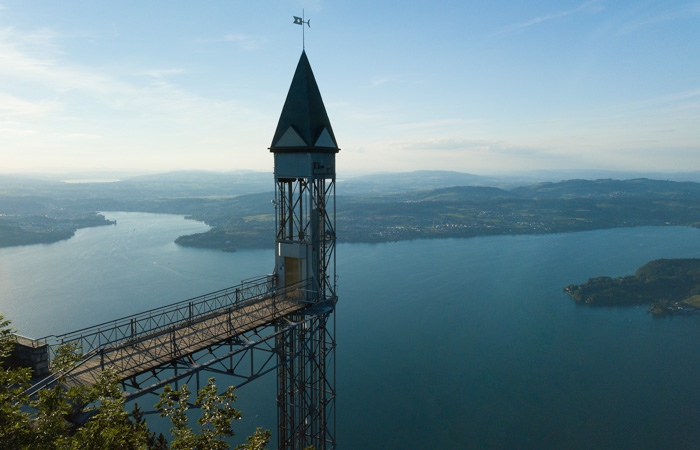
column 106, row 176
column 358, row 172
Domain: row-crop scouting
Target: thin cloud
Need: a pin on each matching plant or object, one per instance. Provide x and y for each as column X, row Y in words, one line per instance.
column 452, row 144
column 39, row 39
column 13, row 106
column 592, row 5
column 50, row 75
column 11, row 132
column 82, row 136
column 676, row 100
column 386, row 79
column 162, row 73
column 58, row 91
column 244, row 41
column 24, row 61
column 461, row 153
column 680, row 13
column 378, row 81
column 435, row 124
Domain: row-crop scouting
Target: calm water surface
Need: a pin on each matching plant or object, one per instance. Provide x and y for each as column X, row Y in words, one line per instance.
column 442, row 343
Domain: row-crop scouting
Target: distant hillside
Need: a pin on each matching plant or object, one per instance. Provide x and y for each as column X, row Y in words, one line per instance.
column 421, row 180
column 536, row 176
column 167, row 185
column 639, row 188
column 201, row 183
column 449, row 194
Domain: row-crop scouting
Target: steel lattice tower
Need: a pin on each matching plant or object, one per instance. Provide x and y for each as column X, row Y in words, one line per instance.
column 304, row 149
column 221, row 332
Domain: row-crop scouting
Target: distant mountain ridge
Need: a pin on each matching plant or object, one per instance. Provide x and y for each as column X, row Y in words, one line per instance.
column 609, row 188
column 419, row 180
column 563, row 190
column 197, row 183
column 446, row 194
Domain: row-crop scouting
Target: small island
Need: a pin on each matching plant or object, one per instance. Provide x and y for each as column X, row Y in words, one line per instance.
column 669, row 286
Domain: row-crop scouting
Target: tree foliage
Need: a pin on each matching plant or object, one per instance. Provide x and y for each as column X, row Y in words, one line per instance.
column 663, row 279
column 44, row 421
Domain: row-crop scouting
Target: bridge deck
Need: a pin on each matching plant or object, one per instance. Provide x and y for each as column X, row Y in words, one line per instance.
column 131, row 358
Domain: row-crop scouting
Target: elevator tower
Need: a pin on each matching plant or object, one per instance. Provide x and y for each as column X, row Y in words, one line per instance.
column 304, row 149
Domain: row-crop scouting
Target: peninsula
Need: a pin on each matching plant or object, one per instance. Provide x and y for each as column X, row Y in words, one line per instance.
column 670, row 286
column 45, row 229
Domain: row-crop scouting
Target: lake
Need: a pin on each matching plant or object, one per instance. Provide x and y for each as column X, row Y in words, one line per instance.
column 459, row 343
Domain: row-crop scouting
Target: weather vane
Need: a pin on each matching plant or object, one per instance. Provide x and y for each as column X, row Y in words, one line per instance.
column 301, row 21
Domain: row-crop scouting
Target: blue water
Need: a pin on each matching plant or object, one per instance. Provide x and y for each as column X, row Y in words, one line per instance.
column 443, row 343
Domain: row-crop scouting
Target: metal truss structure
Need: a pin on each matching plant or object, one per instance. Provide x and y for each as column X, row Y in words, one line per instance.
column 229, row 332
column 306, row 382
column 131, row 329
column 305, row 216
column 283, row 322
column 305, row 213
column 243, row 332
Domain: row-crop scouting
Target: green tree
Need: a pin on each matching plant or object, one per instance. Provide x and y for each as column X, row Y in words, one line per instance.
column 109, row 425
column 257, row 441
column 14, row 423
column 55, row 404
column 215, row 422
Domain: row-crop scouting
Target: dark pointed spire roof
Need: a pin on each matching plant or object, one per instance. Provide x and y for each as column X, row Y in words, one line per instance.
column 304, row 125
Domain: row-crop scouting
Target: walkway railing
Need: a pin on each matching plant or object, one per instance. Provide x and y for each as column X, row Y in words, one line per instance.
column 142, row 342
column 148, row 323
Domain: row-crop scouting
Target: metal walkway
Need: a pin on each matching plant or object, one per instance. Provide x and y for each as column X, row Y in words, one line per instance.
column 164, row 337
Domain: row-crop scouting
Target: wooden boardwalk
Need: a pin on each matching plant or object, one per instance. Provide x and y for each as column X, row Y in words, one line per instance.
column 134, row 357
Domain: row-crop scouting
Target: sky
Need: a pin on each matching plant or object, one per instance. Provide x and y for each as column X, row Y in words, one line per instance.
column 473, row 86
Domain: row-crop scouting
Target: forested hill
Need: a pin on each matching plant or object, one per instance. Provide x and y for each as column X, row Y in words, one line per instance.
column 673, row 284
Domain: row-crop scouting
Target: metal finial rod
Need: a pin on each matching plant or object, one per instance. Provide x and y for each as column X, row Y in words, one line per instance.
column 301, row 21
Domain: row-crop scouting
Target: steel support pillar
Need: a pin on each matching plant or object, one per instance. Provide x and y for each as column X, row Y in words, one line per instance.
column 306, row 384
